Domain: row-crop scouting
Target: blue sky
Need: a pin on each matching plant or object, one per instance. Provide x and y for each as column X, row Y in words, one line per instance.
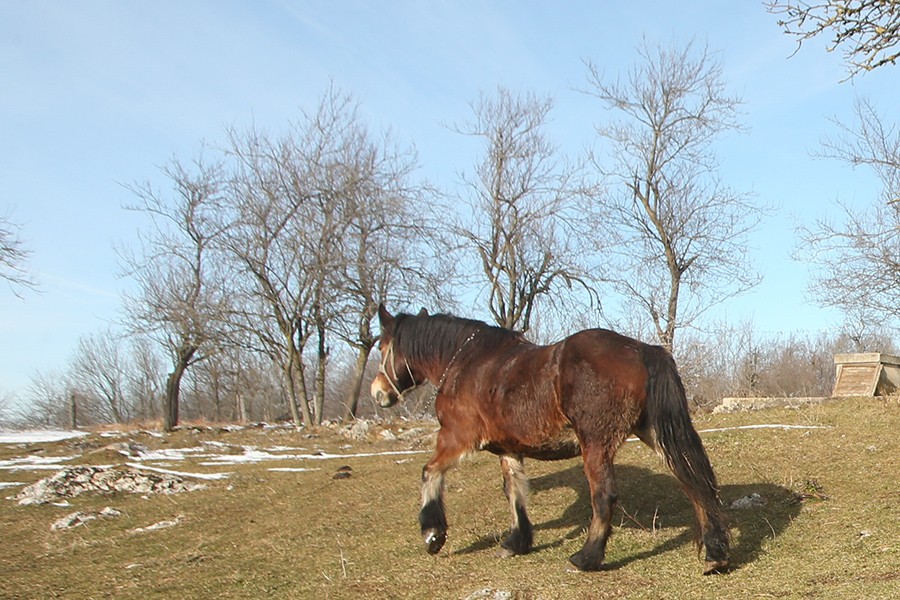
column 100, row 93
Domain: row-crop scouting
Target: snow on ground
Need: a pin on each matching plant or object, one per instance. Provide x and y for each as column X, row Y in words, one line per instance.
column 765, row 426
column 208, row 476
column 38, row 436
column 762, row 426
column 207, row 454
column 253, row 456
column 34, row 463
column 169, row 454
column 292, row 469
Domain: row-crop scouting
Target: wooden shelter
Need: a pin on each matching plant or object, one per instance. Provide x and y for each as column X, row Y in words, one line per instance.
column 869, row 374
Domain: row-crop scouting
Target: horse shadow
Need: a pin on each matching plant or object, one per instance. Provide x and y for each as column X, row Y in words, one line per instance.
column 651, row 501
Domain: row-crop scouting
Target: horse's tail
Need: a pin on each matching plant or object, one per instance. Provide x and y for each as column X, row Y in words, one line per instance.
column 675, row 438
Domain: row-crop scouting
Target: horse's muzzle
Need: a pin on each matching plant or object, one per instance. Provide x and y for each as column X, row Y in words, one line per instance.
column 386, row 399
column 384, row 396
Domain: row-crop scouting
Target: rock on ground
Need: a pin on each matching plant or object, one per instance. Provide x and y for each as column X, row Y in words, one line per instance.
column 80, row 518
column 72, row 481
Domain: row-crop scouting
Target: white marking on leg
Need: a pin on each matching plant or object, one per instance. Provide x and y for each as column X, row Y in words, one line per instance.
column 517, row 481
column 432, row 487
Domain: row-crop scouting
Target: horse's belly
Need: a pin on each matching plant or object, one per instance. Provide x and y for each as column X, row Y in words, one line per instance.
column 558, row 447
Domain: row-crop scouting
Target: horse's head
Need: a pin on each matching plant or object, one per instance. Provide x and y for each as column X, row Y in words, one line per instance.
column 395, row 375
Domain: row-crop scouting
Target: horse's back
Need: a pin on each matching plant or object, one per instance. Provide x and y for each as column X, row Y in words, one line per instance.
column 540, row 401
column 602, row 382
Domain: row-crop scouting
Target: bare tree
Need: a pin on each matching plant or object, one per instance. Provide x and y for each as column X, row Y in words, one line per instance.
column 14, row 257
column 6, row 410
column 868, row 31
column 146, row 377
column 182, row 297
column 47, row 400
column 731, row 360
column 523, row 199
column 288, row 206
column 677, row 235
column 321, row 228
column 98, row 375
column 385, row 256
column 857, row 262
column 266, row 246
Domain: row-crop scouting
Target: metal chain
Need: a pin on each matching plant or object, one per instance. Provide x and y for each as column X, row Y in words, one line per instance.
column 440, row 384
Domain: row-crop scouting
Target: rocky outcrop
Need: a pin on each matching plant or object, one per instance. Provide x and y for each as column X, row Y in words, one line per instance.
column 73, row 481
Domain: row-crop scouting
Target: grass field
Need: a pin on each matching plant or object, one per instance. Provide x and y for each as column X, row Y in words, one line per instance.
column 829, row 526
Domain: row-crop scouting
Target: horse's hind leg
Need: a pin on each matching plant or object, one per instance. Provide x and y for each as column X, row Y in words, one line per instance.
column 515, row 486
column 598, row 467
column 703, row 495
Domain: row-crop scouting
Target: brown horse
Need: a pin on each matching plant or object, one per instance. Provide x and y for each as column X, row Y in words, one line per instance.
column 584, row 395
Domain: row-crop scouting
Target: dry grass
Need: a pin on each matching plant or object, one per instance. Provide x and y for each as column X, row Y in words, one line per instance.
column 830, row 527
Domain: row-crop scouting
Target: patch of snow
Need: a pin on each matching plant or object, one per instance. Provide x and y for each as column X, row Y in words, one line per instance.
column 47, row 467
column 206, row 476
column 292, row 469
column 325, row 456
column 34, row 463
column 215, row 444
column 286, row 449
column 173, row 454
column 256, row 456
column 250, row 456
column 765, row 426
column 6, row 484
column 38, row 436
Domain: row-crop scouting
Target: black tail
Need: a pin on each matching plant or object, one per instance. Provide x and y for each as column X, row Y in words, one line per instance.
column 675, row 436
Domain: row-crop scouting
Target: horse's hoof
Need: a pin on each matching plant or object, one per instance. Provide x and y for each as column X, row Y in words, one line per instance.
column 578, row 561
column 504, row 553
column 715, row 567
column 434, row 540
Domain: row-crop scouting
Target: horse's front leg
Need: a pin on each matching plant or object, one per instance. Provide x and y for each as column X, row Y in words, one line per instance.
column 433, row 516
column 515, row 486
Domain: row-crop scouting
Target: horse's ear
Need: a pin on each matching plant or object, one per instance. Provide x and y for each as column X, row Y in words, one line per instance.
column 384, row 317
column 423, row 312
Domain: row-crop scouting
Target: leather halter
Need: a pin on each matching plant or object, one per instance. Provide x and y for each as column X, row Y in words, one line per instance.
column 389, row 355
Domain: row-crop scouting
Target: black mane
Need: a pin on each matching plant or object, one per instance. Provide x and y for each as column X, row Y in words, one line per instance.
column 437, row 337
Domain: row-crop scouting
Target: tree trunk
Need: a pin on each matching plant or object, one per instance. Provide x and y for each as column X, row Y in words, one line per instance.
column 217, row 396
column 73, row 411
column 351, row 402
column 241, row 408
column 319, row 400
column 173, row 388
column 295, row 379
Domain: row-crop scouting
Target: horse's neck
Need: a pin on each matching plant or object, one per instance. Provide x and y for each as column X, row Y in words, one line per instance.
column 439, row 366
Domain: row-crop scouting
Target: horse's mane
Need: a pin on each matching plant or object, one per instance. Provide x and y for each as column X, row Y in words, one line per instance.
column 437, row 337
